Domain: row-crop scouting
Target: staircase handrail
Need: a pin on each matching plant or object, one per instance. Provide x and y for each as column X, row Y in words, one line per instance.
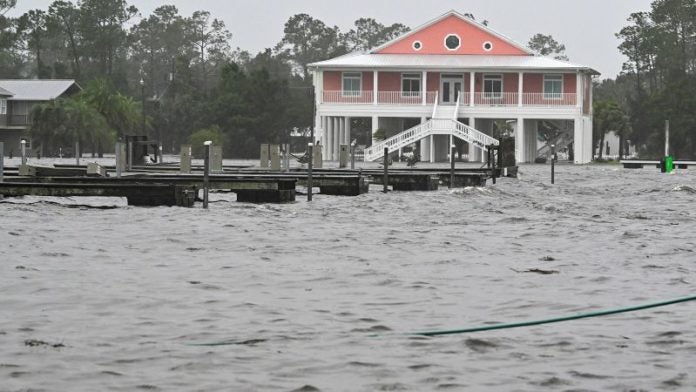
column 435, row 104
column 456, row 108
column 430, row 127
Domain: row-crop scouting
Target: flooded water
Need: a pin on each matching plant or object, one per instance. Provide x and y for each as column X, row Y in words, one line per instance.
column 318, row 297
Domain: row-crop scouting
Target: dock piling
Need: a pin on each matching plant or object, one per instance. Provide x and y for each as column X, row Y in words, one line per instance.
column 310, row 147
column 352, row 155
column 185, row 159
column 77, row 153
column 264, row 155
column 553, row 161
column 119, row 159
column 385, row 179
column 23, row 144
column 2, row 160
column 129, row 156
column 453, row 149
column 206, row 171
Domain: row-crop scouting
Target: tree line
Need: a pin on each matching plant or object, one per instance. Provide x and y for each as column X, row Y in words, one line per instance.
column 656, row 84
column 179, row 70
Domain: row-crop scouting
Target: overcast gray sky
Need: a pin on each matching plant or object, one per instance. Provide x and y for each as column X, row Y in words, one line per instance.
column 586, row 27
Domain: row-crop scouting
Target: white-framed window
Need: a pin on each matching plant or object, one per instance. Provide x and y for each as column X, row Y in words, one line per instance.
column 352, row 84
column 488, row 46
column 493, row 86
column 410, row 84
column 553, row 86
column 452, row 42
column 417, row 45
column 3, row 106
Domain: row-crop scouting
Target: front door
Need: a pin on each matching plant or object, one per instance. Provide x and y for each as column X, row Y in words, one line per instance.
column 450, row 88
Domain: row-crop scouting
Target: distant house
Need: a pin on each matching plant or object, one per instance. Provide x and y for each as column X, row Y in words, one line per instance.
column 452, row 77
column 18, row 97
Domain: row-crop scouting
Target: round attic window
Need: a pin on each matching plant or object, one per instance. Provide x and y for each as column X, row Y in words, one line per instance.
column 417, row 45
column 487, row 46
column 452, row 42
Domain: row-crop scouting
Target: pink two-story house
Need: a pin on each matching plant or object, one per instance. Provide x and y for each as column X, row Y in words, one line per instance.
column 453, row 78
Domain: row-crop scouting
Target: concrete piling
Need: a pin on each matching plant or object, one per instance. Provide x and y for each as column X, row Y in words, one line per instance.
column 275, row 157
column 318, row 157
column 216, row 159
column 343, row 156
column 264, row 156
column 185, row 159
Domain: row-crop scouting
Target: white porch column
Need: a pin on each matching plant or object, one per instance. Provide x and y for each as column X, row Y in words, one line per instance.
column 472, row 86
column 424, row 87
column 472, row 149
column 520, row 88
column 424, row 145
column 347, row 128
column 329, row 138
column 519, row 141
column 375, row 127
column 375, row 85
column 579, row 86
column 322, row 135
column 341, row 134
column 578, row 141
column 336, row 138
column 431, row 145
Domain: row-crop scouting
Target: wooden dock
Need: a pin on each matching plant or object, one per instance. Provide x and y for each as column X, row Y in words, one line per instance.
column 135, row 194
column 639, row 164
column 151, row 185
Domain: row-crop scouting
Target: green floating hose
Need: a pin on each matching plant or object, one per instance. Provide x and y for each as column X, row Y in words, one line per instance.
column 556, row 319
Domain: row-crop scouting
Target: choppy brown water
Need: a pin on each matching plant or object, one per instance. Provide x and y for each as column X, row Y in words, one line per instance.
column 301, row 290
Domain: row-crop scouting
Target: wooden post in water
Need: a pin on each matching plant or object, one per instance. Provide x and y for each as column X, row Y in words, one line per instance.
column 77, row 153
column 452, row 151
column 2, row 160
column 666, row 138
column 118, row 159
column 352, row 154
column 385, row 178
column 129, row 157
column 23, row 144
column 553, row 161
column 310, row 166
column 493, row 159
column 206, row 171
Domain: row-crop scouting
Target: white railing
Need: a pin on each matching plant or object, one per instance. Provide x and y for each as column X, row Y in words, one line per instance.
column 348, row 97
column 549, row 100
column 398, row 98
column 495, row 99
column 431, row 127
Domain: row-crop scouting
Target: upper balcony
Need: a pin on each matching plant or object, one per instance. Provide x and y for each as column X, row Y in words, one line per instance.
column 398, row 90
column 398, row 98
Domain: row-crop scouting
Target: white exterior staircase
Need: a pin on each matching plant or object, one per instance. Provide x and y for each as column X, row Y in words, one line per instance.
column 435, row 126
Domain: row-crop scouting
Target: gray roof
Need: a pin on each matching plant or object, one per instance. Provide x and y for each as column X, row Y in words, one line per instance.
column 5, row 93
column 36, row 90
column 448, row 62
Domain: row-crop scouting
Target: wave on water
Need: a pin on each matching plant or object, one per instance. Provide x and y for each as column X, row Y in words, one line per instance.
column 102, row 203
column 683, row 188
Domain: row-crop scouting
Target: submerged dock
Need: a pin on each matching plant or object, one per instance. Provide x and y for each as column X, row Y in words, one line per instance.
column 161, row 184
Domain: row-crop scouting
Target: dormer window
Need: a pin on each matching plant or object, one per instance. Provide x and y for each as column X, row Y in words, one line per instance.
column 452, row 42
